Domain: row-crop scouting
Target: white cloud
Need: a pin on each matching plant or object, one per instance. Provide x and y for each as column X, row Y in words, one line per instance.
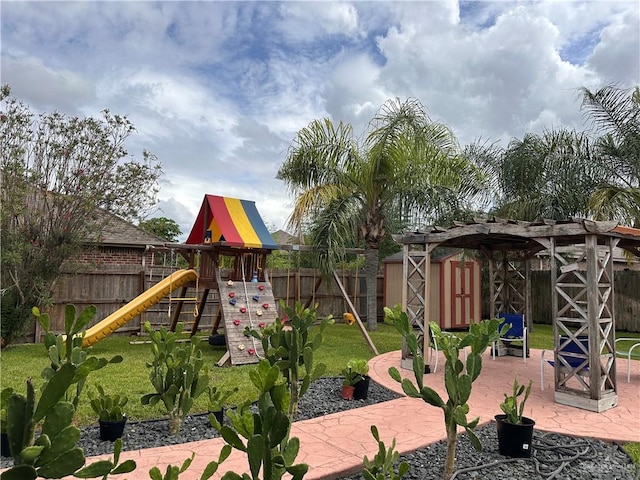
column 65, row 90
column 305, row 21
column 617, row 57
column 217, row 90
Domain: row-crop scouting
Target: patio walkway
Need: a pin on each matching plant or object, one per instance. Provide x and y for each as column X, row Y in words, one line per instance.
column 334, row 445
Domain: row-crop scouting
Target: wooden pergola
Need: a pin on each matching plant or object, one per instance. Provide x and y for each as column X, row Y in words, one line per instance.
column 581, row 282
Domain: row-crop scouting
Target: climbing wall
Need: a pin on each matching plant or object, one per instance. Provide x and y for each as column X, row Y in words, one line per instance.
column 250, row 305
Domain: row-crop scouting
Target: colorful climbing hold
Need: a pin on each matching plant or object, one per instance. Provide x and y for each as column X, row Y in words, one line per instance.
column 265, row 305
column 256, row 298
column 232, row 301
column 236, row 322
column 243, row 309
column 232, row 294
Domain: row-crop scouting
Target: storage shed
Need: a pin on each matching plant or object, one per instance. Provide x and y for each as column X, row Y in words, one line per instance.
column 455, row 294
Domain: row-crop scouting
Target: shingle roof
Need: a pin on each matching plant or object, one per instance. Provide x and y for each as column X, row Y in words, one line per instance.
column 118, row 231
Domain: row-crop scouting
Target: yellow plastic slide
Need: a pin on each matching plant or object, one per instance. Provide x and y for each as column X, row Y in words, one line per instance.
column 138, row 305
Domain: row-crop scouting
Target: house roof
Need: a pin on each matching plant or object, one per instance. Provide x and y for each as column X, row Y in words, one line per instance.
column 117, row 231
column 284, row 238
column 231, row 222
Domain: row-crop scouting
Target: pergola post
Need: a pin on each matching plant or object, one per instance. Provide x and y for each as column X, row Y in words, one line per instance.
column 583, row 315
column 416, row 272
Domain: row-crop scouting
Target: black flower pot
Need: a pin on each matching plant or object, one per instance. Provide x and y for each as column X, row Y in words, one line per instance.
column 361, row 388
column 111, row 431
column 514, row 440
column 217, row 340
column 219, row 414
column 4, row 445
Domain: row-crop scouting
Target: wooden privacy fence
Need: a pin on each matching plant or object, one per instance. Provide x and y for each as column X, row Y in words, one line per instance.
column 626, row 298
column 110, row 290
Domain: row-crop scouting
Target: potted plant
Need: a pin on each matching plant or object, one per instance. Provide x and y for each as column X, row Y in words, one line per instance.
column 361, row 368
column 348, row 383
column 110, row 415
column 217, row 401
column 515, row 432
column 4, row 438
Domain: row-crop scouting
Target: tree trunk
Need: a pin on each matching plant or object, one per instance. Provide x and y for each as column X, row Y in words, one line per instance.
column 371, row 276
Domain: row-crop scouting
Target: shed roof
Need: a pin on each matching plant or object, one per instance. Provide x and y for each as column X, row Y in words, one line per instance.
column 501, row 234
column 232, row 222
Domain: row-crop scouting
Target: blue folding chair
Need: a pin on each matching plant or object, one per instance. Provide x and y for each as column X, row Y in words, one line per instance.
column 517, row 332
column 572, row 356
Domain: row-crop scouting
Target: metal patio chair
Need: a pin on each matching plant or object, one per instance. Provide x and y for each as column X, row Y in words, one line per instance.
column 517, row 333
column 627, row 351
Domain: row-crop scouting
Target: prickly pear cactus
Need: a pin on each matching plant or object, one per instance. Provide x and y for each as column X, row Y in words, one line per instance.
column 458, row 379
column 292, row 349
column 104, row 468
column 108, row 407
column 177, row 373
column 382, row 465
column 269, row 448
column 68, row 348
column 54, row 454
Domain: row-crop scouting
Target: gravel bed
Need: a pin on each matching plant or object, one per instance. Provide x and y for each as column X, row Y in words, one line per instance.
column 554, row 456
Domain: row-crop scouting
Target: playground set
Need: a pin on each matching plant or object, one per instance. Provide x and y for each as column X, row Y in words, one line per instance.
column 226, row 252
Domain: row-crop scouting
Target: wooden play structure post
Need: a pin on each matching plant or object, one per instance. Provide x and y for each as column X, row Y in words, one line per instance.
column 580, row 256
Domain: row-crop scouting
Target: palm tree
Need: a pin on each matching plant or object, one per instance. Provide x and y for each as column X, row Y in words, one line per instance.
column 551, row 175
column 616, row 112
column 564, row 173
column 407, row 166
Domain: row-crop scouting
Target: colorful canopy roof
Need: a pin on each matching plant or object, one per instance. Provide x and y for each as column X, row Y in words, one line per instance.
column 230, row 220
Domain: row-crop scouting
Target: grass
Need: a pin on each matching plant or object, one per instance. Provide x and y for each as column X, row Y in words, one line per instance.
column 340, row 344
column 131, row 377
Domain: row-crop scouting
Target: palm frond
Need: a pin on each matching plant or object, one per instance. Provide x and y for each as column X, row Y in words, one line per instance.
column 614, row 203
column 613, row 109
column 335, row 229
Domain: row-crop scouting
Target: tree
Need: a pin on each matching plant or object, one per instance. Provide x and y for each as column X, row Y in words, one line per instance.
column 61, row 180
column 542, row 176
column 616, row 113
column 162, row 227
column 564, row 173
column 408, row 168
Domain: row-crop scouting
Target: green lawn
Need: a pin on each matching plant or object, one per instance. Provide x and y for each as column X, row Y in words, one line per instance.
column 18, row 362
column 341, row 343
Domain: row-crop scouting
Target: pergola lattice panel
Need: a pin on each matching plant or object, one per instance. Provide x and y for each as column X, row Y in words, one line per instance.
column 583, row 312
column 508, row 283
column 416, row 264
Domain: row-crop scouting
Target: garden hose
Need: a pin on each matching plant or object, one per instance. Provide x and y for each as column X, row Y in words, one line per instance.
column 547, row 468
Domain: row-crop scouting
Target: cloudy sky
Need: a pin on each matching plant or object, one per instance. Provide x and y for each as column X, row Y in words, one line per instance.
column 217, row 90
